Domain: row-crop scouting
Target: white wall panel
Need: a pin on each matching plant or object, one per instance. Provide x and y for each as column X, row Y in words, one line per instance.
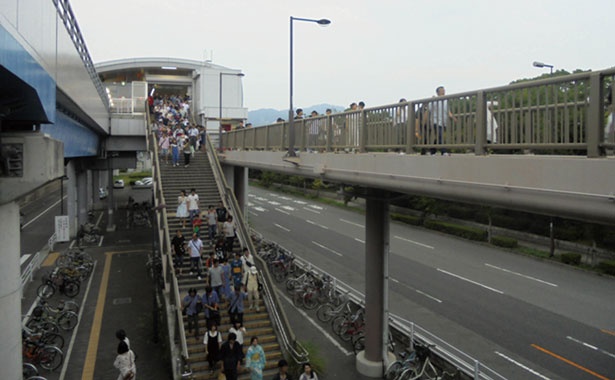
column 37, row 25
column 8, row 12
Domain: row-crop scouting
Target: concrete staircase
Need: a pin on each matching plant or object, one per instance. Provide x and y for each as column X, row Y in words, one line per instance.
column 199, row 175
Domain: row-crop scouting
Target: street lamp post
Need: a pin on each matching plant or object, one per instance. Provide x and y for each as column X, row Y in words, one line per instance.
column 542, row 64
column 291, row 127
column 220, row 108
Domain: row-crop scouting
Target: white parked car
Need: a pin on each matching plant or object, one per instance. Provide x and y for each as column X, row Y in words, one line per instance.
column 145, row 182
column 118, row 184
column 102, row 193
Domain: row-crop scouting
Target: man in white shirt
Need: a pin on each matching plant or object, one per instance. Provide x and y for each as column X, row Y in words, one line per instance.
column 196, row 246
column 193, row 204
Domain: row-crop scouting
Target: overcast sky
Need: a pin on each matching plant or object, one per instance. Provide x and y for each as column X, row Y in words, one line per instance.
column 376, row 51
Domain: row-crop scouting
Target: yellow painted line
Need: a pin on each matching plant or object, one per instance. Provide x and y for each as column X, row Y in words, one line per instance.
column 51, row 259
column 570, row 362
column 608, row 332
column 90, row 356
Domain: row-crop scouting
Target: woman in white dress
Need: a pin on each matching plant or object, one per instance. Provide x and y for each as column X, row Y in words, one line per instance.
column 182, row 208
column 125, row 362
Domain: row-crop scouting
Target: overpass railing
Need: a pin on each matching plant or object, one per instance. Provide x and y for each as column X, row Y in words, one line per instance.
column 285, row 334
column 65, row 12
column 571, row 114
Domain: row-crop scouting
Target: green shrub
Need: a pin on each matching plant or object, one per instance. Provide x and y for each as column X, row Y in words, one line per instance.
column 408, row 219
column 471, row 233
column 607, row 266
column 503, row 241
column 571, row 258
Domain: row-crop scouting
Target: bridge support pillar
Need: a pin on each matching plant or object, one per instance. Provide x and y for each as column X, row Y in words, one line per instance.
column 10, row 292
column 240, row 187
column 70, row 205
column 371, row 361
column 82, row 196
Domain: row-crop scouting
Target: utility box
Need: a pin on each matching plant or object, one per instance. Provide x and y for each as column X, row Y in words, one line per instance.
column 28, row 161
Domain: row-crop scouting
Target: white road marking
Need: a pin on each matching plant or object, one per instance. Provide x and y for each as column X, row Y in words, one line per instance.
column 591, row 346
column 521, row 275
column 250, row 204
column 282, row 211
column 533, row 372
column 273, row 195
column 300, row 202
column 284, row 228
column 310, row 210
column 274, row 203
column 416, row 290
column 328, row 249
column 76, row 328
column 286, row 198
column 316, row 207
column 24, row 258
column 470, row 281
column 42, row 213
column 253, row 213
column 288, row 208
column 316, row 224
column 413, row 242
column 261, row 199
column 251, row 195
column 428, row 296
column 353, row 223
column 323, row 331
column 359, row 240
column 101, row 240
column 259, row 209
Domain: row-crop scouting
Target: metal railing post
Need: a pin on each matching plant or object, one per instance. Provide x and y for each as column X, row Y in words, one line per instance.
column 410, row 128
column 362, row 132
column 595, row 118
column 481, row 124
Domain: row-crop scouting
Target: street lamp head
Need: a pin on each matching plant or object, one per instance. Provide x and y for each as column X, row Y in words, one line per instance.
column 323, row 22
column 241, row 75
column 538, row 64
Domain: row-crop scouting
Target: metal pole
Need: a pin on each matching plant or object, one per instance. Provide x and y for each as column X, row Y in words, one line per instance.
column 61, row 195
column 291, row 127
column 220, row 117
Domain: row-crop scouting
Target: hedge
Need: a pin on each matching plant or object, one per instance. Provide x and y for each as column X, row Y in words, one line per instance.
column 408, row 219
column 571, row 258
column 504, row 241
column 471, row 233
column 607, row 266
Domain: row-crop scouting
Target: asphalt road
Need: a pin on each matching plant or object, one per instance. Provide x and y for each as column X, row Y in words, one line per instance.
column 522, row 317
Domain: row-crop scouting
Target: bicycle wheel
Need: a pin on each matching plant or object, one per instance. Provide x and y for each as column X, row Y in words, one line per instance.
column 45, row 291
column 392, row 371
column 53, row 339
column 50, row 357
column 298, row 299
column 29, row 370
column 67, row 320
column 347, row 331
column 358, row 343
column 71, row 288
column 279, row 274
column 310, row 301
column 337, row 323
column 71, row 306
column 409, row 374
column 324, row 313
column 291, row 284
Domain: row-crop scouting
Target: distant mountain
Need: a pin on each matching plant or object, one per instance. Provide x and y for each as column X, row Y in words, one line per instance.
column 266, row 116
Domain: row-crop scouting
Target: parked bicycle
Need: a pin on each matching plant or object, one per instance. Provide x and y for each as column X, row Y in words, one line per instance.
column 58, row 280
column 62, row 316
column 36, row 352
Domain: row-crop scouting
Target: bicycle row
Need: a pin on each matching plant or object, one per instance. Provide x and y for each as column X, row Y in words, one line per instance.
column 42, row 340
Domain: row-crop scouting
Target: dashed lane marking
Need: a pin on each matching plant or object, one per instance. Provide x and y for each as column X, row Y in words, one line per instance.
column 521, row 275
column 513, row 361
column 281, row 227
column 416, row 290
column 353, row 223
column 414, row 242
column 470, row 281
column 359, row 240
column 327, row 248
column 282, row 211
column 316, row 224
column 310, row 210
column 591, row 346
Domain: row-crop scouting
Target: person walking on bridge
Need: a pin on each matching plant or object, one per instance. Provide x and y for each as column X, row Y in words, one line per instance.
column 439, row 113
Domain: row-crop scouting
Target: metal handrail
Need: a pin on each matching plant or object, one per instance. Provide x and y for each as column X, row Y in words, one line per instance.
column 467, row 364
column 550, row 115
column 171, row 286
column 280, row 319
column 66, row 14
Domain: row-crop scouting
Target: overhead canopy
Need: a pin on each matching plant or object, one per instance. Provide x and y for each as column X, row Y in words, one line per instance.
column 19, row 101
